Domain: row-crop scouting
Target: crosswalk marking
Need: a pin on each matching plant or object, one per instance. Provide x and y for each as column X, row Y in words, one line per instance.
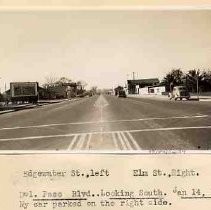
column 115, row 141
column 124, row 146
column 137, row 147
column 80, row 143
column 88, row 142
column 128, row 146
column 122, row 140
column 72, row 142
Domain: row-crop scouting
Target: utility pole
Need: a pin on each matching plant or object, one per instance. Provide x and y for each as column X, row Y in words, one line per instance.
column 133, row 75
column 197, row 84
column 196, row 78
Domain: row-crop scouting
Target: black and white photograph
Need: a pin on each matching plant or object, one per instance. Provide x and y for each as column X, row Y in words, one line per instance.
column 105, row 80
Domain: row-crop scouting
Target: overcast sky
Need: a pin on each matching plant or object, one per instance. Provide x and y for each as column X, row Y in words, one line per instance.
column 101, row 47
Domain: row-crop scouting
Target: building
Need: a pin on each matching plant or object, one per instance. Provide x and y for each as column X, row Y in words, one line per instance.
column 137, row 85
column 117, row 89
column 157, row 90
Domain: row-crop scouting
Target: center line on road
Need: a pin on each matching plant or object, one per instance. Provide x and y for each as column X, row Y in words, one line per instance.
column 97, row 122
column 101, row 134
column 101, row 103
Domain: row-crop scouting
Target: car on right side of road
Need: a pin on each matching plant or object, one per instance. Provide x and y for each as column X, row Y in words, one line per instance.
column 180, row 92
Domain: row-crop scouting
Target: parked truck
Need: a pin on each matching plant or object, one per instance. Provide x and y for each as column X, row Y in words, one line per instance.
column 24, row 92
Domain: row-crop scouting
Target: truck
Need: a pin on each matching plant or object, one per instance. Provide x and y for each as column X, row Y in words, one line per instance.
column 179, row 92
column 24, row 92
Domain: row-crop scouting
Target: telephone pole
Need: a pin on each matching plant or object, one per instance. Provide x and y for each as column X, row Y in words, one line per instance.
column 133, row 75
column 0, row 86
column 197, row 83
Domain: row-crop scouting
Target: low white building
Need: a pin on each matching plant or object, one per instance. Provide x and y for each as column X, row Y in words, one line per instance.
column 157, row 90
column 143, row 91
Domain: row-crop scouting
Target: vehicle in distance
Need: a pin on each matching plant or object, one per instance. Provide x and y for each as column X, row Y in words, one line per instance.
column 24, row 91
column 122, row 94
column 180, row 92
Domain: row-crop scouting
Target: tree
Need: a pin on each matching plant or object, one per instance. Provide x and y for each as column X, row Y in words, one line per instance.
column 197, row 80
column 54, row 81
column 193, row 80
column 49, row 81
column 63, row 80
column 81, row 84
column 174, row 77
column 54, row 87
column 206, row 80
column 94, row 89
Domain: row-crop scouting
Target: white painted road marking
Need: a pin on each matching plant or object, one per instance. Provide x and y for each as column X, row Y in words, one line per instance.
column 127, row 142
column 97, row 122
column 72, row 142
column 137, row 147
column 108, row 132
column 88, row 142
column 115, row 141
column 80, row 143
column 84, row 142
column 101, row 103
column 122, row 142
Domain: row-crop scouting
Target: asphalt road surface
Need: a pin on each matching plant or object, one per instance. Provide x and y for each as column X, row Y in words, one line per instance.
column 109, row 123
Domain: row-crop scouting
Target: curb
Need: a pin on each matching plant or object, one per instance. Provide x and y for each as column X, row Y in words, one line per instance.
column 167, row 99
column 149, row 97
column 205, row 100
column 6, row 111
column 17, row 109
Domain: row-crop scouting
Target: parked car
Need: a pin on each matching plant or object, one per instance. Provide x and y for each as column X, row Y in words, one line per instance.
column 122, row 93
column 180, row 92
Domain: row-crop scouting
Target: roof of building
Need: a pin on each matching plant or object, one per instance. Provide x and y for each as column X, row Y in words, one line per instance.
column 144, row 81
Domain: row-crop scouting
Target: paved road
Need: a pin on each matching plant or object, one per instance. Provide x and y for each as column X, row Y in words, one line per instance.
column 109, row 123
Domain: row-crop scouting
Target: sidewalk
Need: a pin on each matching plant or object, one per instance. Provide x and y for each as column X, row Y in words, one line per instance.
column 6, row 111
column 48, row 102
column 165, row 97
column 13, row 108
column 51, row 101
column 157, row 97
column 55, row 101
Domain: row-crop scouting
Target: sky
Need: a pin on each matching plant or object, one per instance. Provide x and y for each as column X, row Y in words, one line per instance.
column 81, row 3
column 102, row 48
